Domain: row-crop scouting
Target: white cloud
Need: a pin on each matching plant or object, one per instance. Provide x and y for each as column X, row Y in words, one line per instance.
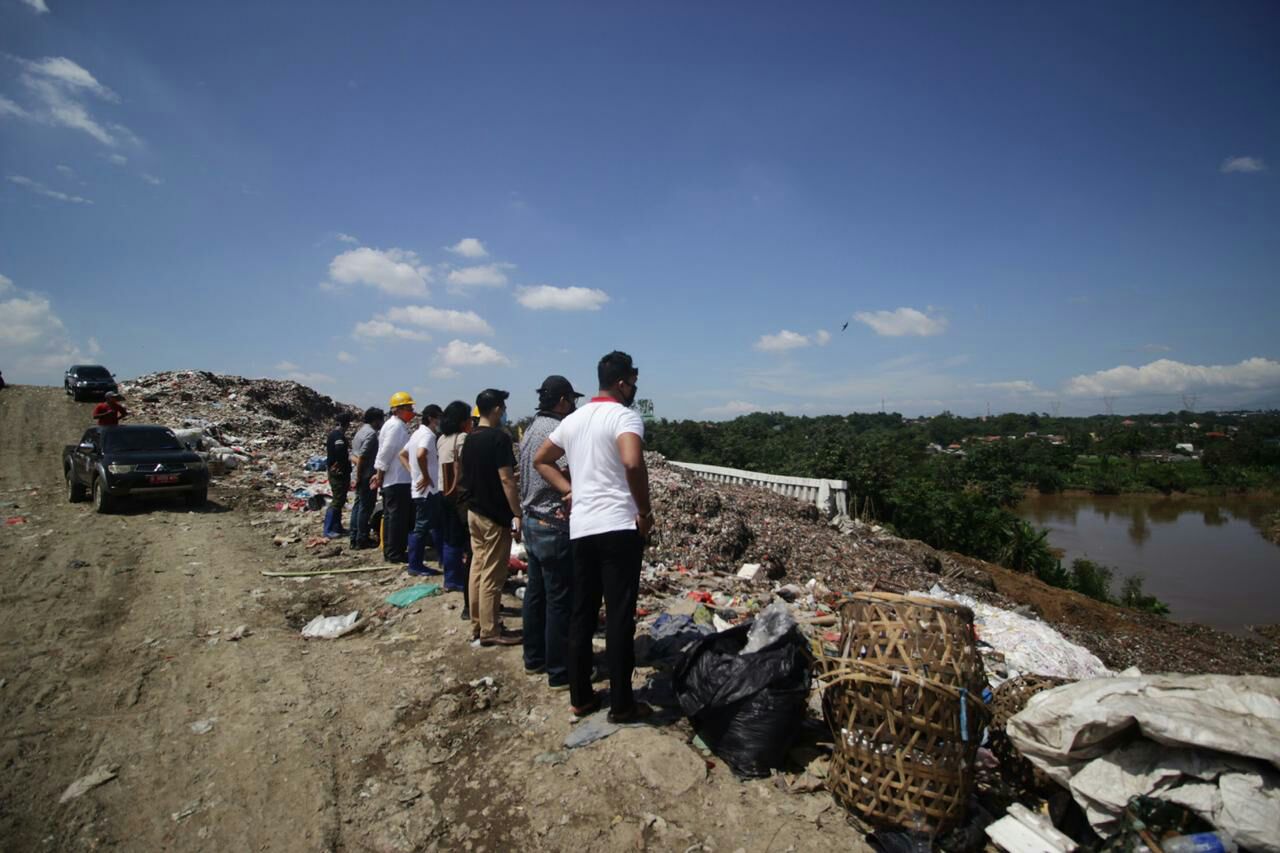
column 118, row 159
column 782, row 341
column 9, row 108
column 346, row 238
column 469, row 247
column 1243, row 164
column 57, row 87
column 396, row 272
column 486, row 275
column 66, row 170
column 822, row 337
column 70, row 74
column 1013, row 386
column 462, row 354
column 34, row 343
column 289, row 370
column 444, row 373
column 543, row 297
column 1166, row 376
column 95, row 348
column 40, row 189
column 40, row 7
column 902, row 321
column 1156, row 348
column 733, row 408
column 376, row 329
column 441, row 319
column 151, row 179
column 346, row 357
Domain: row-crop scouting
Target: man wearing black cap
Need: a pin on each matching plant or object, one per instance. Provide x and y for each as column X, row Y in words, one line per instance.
column 493, row 514
column 548, row 596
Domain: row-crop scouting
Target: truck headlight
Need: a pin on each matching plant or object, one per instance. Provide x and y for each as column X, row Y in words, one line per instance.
column 119, row 468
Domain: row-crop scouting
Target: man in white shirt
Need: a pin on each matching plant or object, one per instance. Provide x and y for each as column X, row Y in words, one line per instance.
column 392, row 477
column 609, row 520
column 424, row 488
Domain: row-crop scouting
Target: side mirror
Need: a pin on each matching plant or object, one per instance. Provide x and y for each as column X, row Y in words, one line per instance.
column 86, row 445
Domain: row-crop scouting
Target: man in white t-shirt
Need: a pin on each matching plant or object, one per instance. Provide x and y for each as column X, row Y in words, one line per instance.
column 610, row 517
column 424, row 488
column 392, row 477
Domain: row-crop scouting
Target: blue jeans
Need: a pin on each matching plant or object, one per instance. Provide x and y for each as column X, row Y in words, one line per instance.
column 427, row 521
column 361, row 512
column 548, row 599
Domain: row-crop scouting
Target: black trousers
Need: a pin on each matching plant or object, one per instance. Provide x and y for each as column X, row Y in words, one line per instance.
column 397, row 519
column 605, row 565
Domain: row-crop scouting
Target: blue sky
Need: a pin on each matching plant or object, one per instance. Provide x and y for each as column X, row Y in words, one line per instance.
column 1016, row 205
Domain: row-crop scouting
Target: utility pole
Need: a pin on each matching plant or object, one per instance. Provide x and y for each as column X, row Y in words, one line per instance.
column 1057, row 406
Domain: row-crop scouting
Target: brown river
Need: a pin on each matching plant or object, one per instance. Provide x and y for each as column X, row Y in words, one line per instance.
column 1205, row 557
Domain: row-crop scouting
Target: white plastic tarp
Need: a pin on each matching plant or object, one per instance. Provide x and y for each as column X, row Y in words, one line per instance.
column 1209, row 742
column 1028, row 645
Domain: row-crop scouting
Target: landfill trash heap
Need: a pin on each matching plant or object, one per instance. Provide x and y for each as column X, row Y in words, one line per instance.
column 255, row 433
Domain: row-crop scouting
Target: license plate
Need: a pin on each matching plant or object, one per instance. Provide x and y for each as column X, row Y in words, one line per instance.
column 161, row 479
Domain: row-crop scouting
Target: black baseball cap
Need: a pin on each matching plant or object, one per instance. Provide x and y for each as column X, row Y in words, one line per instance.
column 555, row 387
column 490, row 399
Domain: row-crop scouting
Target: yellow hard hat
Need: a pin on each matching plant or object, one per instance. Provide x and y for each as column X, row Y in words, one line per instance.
column 475, row 412
column 401, row 398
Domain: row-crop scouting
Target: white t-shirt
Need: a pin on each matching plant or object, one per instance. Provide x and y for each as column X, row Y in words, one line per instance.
column 602, row 500
column 423, row 439
column 391, row 440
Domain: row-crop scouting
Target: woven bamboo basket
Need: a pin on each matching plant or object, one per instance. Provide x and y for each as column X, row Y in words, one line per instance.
column 1009, row 698
column 903, row 700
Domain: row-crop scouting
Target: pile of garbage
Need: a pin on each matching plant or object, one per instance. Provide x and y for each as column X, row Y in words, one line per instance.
column 257, row 433
column 718, row 527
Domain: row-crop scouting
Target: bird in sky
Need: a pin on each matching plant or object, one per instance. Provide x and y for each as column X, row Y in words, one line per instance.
column 845, row 326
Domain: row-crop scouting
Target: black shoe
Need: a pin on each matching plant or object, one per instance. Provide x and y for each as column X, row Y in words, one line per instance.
column 637, row 713
column 466, row 613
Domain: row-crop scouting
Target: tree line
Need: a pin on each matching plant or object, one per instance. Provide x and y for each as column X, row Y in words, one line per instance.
column 952, row 482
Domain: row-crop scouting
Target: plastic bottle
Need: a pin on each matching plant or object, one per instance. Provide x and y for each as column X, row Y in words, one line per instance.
column 1202, row 842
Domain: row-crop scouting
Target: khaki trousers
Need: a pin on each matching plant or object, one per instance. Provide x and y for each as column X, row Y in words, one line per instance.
column 490, row 557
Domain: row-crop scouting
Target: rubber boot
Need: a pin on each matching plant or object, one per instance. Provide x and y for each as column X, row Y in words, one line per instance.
column 416, row 547
column 331, row 525
column 455, row 579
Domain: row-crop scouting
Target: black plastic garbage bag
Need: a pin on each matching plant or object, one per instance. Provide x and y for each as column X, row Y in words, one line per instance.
column 746, row 708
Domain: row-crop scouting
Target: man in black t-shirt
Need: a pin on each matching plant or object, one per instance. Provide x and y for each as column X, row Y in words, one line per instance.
column 493, row 516
column 338, row 459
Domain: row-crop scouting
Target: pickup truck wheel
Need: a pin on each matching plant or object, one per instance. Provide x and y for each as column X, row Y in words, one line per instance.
column 76, row 492
column 101, row 500
column 198, row 498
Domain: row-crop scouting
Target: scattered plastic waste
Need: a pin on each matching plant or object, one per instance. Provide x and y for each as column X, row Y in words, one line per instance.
column 408, row 595
column 770, row 626
column 85, row 784
column 593, row 728
column 203, row 727
column 330, row 627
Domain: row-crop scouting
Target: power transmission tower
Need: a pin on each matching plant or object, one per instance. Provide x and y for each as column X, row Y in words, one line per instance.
column 1189, row 402
column 1057, row 406
column 1110, row 403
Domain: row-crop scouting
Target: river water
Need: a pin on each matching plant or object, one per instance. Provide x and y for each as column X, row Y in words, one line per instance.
column 1205, row 557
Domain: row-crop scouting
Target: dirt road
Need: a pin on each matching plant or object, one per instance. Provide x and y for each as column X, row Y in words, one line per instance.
column 115, row 652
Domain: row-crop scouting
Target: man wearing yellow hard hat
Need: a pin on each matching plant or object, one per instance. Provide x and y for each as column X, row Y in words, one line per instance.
column 391, row 476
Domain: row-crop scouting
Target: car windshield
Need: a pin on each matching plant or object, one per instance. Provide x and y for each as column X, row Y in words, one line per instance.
column 93, row 373
column 125, row 439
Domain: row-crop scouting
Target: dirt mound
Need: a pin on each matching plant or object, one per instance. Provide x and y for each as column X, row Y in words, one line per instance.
column 271, row 413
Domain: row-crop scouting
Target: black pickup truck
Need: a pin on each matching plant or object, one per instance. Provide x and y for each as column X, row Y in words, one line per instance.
column 115, row 462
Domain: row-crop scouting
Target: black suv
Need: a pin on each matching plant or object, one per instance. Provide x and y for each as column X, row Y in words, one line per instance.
column 88, row 380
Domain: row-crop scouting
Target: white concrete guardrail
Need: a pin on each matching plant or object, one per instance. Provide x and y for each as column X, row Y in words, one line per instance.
column 831, row 497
